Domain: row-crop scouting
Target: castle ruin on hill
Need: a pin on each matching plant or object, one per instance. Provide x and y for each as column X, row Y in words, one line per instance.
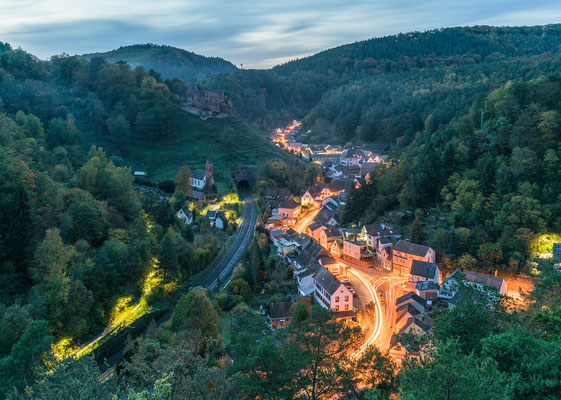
column 208, row 103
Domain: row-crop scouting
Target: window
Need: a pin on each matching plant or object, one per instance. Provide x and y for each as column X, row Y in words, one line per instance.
column 336, row 308
column 336, row 299
column 346, row 298
column 346, row 307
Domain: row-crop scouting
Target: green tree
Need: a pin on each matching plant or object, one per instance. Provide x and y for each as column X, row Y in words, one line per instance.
column 444, row 372
column 195, row 311
column 168, row 256
column 183, row 180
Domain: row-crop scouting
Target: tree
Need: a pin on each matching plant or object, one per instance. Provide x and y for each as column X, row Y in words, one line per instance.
column 444, row 372
column 312, row 174
column 183, row 180
column 377, row 370
column 72, row 379
column 168, row 256
column 194, row 311
column 27, row 354
column 416, row 231
column 469, row 322
column 309, row 359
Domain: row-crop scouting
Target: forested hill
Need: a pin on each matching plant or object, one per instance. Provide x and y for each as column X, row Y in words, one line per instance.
column 168, row 61
column 384, row 88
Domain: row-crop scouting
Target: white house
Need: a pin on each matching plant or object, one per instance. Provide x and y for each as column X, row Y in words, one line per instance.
column 330, row 293
column 372, row 232
column 198, row 179
column 481, row 282
column 185, row 215
column 217, row 219
column 305, row 279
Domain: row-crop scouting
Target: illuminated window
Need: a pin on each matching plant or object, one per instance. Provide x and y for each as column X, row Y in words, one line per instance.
column 346, row 298
column 336, row 308
column 337, row 299
column 346, row 307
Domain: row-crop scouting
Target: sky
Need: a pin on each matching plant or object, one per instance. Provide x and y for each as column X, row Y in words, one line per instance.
column 257, row 34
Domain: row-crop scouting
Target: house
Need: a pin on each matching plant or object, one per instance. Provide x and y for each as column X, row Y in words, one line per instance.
column 354, row 249
column 481, row 282
column 331, row 264
column 275, row 235
column 315, row 229
column 334, row 171
column 384, row 256
column 328, row 236
column 331, row 293
column 336, row 248
column 290, row 209
column 274, row 197
column 351, row 158
column 140, row 174
column 367, row 167
column 378, row 158
column 279, row 314
column 415, row 300
column 217, row 219
column 404, row 312
column 424, row 271
column 185, row 215
column 305, row 279
column 405, row 252
column 327, row 216
column 371, row 233
column 196, row 195
column 428, row 290
column 415, row 325
column 198, row 179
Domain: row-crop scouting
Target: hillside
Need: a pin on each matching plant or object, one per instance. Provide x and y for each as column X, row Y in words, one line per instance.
column 132, row 113
column 170, row 62
column 383, row 89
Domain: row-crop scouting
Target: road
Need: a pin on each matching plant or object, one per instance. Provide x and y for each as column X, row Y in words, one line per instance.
column 305, row 221
column 222, row 271
column 381, row 288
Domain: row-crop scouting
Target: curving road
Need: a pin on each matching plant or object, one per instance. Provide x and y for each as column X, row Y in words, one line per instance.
column 222, row 271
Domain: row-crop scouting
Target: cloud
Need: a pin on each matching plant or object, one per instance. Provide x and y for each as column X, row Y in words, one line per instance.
column 257, row 34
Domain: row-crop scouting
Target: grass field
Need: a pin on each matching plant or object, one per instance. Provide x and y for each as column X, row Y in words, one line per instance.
column 232, row 142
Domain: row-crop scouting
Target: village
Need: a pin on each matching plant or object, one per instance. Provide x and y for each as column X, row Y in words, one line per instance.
column 370, row 275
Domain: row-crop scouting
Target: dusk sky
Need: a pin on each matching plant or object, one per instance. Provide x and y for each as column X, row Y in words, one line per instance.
column 258, row 34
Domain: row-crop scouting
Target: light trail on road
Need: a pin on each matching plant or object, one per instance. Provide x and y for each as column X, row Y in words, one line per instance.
column 378, row 324
column 303, row 224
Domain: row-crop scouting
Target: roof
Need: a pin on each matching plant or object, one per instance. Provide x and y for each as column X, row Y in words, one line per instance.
column 352, row 153
column 423, row 268
column 211, row 214
column 199, row 174
column 315, row 226
column 280, row 310
column 426, row 285
column 404, row 309
column 411, row 296
column 324, row 214
column 290, row 204
column 380, row 230
column 411, row 248
column 332, row 232
column 310, row 270
column 477, row 277
column 385, row 240
column 197, row 194
column 186, row 210
column 327, row 261
column 312, row 247
column 416, row 321
column 367, row 167
column 327, row 281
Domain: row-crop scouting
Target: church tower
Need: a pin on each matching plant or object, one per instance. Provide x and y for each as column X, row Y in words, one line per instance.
column 209, row 177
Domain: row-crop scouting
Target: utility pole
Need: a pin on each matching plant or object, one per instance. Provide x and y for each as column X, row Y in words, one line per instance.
column 482, row 118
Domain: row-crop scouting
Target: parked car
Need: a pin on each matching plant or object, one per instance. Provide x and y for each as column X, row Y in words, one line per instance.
column 353, row 291
column 346, row 282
